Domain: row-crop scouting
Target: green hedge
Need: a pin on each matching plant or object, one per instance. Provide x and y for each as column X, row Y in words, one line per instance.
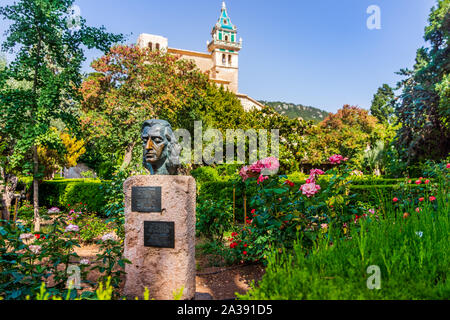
column 60, row 193
column 223, row 190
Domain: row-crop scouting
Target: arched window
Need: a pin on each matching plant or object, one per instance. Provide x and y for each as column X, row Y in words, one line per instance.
column 226, row 38
column 157, row 46
column 224, row 59
column 150, row 46
column 229, row 60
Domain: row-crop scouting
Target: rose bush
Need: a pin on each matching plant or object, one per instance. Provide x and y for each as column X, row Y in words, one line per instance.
column 281, row 213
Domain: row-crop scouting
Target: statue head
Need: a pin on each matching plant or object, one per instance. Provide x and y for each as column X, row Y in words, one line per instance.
column 161, row 151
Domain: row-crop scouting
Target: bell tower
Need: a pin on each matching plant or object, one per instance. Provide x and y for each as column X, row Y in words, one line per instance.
column 224, row 49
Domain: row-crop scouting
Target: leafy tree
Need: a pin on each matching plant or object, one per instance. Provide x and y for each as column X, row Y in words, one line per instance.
column 423, row 108
column 292, row 134
column 383, row 104
column 48, row 55
column 60, row 150
column 349, row 132
column 133, row 84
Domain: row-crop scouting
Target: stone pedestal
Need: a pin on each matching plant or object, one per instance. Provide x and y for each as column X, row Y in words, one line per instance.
column 161, row 270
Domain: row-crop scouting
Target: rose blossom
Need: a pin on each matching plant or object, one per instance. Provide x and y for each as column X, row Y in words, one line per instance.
column 85, row 261
column 310, row 189
column 432, row 198
column 35, row 249
column 337, row 158
column 53, row 210
column 26, row 236
column 324, row 226
column 261, row 178
column 109, row 236
column 243, row 173
column 72, row 227
column 290, row 183
column 316, row 172
column 257, row 167
column 271, row 165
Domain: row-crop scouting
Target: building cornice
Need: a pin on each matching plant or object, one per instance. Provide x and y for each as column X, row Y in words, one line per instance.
column 189, row 53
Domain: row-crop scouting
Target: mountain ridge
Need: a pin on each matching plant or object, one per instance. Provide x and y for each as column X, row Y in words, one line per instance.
column 293, row 111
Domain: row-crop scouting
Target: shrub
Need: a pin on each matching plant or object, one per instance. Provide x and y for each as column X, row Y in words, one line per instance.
column 92, row 227
column 26, row 211
column 61, row 193
column 27, row 259
column 213, row 219
column 202, row 174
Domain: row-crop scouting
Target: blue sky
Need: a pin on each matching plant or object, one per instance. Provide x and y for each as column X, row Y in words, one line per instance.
column 317, row 53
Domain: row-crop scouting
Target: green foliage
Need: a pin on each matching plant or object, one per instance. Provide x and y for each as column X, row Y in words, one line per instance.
column 26, row 211
column 383, row 104
column 70, row 192
column 213, row 218
column 348, row 132
column 40, row 87
column 423, row 108
column 108, row 261
column 22, row 269
column 114, row 200
column 137, row 84
column 279, row 211
column 291, row 132
column 202, row 174
column 92, row 227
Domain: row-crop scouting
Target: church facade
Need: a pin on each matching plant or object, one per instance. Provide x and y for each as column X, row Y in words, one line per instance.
column 220, row 63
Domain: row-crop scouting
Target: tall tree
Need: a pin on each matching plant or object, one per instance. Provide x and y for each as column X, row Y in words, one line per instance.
column 48, row 55
column 133, row 84
column 383, row 104
column 424, row 105
column 349, row 132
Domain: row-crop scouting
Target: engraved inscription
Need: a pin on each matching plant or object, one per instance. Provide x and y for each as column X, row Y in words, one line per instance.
column 159, row 234
column 146, row 199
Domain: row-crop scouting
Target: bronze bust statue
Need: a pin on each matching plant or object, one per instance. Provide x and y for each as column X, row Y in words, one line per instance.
column 161, row 150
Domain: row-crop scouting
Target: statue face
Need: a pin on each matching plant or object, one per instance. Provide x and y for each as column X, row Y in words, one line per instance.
column 154, row 142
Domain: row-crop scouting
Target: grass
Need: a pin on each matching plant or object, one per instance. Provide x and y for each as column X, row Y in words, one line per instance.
column 411, row 253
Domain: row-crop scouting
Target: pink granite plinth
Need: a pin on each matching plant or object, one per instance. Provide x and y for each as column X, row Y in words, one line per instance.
column 162, row 270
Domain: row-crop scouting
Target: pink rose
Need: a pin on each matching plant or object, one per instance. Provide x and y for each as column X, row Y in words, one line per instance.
column 243, row 173
column 310, row 189
column 257, row 166
column 261, row 178
column 337, row 158
column 316, row 172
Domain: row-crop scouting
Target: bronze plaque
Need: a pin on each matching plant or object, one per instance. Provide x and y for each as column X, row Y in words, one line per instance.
column 159, row 234
column 146, row 199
